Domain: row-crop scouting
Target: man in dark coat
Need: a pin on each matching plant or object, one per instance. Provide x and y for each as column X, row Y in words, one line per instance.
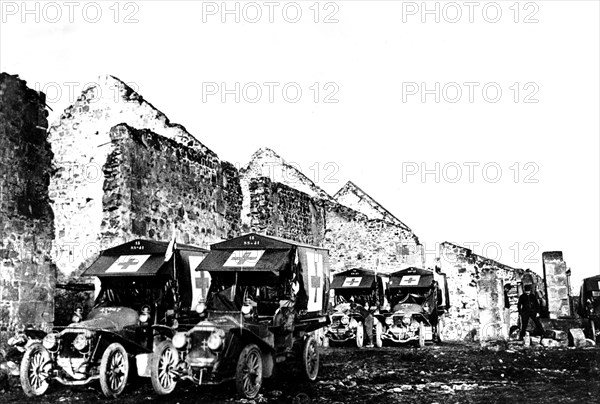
column 528, row 309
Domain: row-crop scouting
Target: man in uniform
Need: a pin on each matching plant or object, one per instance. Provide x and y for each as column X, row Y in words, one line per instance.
column 528, row 309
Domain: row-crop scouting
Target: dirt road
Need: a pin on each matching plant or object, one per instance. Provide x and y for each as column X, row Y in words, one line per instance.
column 434, row 374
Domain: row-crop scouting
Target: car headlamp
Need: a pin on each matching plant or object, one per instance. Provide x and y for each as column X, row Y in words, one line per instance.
column 215, row 340
column 49, row 341
column 200, row 307
column 179, row 340
column 77, row 315
column 389, row 321
column 345, row 320
column 246, row 309
column 80, row 342
column 145, row 314
column 406, row 319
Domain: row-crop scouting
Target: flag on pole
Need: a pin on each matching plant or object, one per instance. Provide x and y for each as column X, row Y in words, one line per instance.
column 170, row 247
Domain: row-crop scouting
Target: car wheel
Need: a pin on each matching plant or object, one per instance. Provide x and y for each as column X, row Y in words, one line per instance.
column 378, row 334
column 35, row 367
column 164, row 360
column 421, row 335
column 114, row 370
column 360, row 335
column 310, row 359
column 248, row 373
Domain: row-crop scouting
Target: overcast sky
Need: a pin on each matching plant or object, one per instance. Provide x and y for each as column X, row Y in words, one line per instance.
column 517, row 171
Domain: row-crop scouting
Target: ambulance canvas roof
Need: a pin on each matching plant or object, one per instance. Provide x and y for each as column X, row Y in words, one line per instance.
column 411, row 277
column 138, row 258
column 354, row 279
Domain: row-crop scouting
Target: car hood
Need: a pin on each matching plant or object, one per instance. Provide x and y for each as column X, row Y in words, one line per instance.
column 108, row 319
column 224, row 322
column 408, row 308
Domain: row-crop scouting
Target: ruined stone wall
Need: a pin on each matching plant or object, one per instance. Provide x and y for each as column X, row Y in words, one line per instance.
column 82, row 144
column 153, row 184
column 278, row 210
column 357, row 241
column 352, row 238
column 557, row 284
column 477, row 301
column 27, row 275
column 352, row 196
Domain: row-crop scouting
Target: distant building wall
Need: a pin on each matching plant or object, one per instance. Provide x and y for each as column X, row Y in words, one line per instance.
column 84, row 156
column 477, row 300
column 154, row 184
column 352, row 238
column 278, row 210
column 355, row 240
column 27, row 274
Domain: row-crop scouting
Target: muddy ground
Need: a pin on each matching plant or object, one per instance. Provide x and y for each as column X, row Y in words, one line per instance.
column 449, row 373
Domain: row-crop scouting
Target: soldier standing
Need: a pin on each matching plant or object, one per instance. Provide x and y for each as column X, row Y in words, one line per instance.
column 528, row 309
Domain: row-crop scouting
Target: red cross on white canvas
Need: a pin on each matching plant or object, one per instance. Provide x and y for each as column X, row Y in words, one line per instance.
column 352, row 281
column 128, row 263
column 410, row 280
column 244, row 258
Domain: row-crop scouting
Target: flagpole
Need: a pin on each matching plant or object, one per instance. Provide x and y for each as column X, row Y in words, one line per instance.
column 170, row 253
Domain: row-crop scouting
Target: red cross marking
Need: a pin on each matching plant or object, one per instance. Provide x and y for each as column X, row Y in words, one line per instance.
column 352, row 281
column 315, row 281
column 409, row 280
column 131, row 261
column 246, row 257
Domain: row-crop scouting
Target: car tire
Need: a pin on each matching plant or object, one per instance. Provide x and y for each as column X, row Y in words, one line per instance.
column 164, row 359
column 33, row 371
column 378, row 334
column 360, row 335
column 114, row 370
column 310, row 359
column 248, row 372
column 421, row 335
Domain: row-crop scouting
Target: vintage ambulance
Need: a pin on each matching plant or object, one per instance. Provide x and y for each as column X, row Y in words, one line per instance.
column 417, row 298
column 147, row 288
column 266, row 298
column 358, row 302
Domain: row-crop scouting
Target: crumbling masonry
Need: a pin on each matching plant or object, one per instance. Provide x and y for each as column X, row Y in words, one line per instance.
column 27, row 273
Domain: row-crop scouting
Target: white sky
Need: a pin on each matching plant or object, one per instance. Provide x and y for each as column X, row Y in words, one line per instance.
column 371, row 136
